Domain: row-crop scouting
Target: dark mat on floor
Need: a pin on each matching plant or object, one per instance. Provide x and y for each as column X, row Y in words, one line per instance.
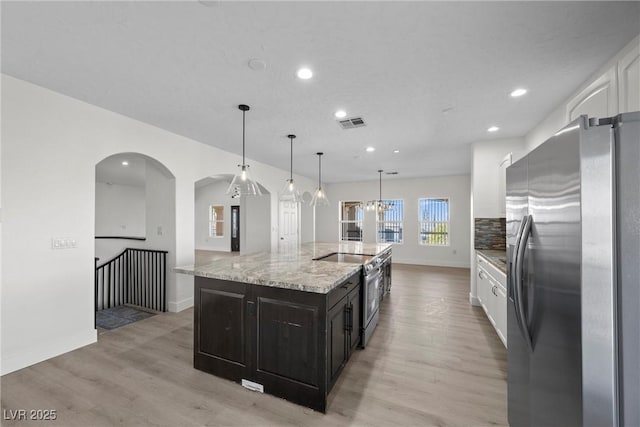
column 116, row 317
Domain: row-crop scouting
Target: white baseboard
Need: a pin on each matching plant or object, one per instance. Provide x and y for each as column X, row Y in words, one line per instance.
column 397, row 260
column 47, row 350
column 474, row 300
column 176, row 307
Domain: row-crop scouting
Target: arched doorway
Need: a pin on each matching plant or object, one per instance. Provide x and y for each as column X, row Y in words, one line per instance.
column 225, row 225
column 135, row 238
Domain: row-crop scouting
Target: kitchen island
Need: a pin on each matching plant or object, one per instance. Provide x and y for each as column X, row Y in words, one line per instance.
column 281, row 322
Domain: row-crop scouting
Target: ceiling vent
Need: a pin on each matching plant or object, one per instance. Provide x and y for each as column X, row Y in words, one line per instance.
column 354, row 122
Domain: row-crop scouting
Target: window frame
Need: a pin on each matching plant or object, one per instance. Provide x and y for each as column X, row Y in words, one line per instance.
column 218, row 222
column 448, row 222
column 341, row 221
column 400, row 223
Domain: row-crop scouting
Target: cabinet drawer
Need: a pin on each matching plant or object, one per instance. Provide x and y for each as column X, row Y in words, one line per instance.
column 343, row 289
column 493, row 271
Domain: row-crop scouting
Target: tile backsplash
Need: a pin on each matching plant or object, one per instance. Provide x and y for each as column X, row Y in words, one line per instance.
column 490, row 233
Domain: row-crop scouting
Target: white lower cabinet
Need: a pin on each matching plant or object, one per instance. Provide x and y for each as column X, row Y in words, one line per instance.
column 492, row 293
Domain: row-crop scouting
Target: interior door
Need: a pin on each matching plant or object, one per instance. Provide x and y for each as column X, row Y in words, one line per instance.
column 235, row 228
column 288, row 224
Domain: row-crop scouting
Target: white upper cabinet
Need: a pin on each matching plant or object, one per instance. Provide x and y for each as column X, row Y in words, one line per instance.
column 629, row 81
column 599, row 99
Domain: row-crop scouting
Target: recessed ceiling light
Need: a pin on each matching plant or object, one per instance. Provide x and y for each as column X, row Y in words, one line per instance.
column 125, row 163
column 396, row 151
column 493, row 129
column 304, row 73
column 518, row 92
column 340, row 114
column 370, row 149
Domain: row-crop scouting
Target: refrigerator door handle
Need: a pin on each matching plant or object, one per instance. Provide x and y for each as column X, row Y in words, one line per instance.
column 514, row 258
column 512, row 275
column 519, row 266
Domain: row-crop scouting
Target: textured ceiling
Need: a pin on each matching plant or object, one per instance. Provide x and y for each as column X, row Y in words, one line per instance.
column 183, row 66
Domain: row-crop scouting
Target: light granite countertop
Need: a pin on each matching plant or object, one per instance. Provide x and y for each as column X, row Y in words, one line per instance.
column 292, row 268
column 496, row 257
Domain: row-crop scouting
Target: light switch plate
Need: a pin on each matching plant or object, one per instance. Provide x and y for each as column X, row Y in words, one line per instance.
column 63, row 243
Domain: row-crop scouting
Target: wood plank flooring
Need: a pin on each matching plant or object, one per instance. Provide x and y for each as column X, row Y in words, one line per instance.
column 434, row 360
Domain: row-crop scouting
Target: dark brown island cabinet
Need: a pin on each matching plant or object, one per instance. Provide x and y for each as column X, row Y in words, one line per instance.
column 293, row 344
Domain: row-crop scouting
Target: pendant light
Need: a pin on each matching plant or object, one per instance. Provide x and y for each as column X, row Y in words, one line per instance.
column 242, row 184
column 319, row 196
column 379, row 204
column 290, row 193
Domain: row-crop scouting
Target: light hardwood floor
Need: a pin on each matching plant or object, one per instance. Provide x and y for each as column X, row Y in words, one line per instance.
column 434, row 360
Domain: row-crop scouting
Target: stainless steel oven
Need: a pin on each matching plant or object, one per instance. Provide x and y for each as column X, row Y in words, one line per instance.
column 372, row 283
column 384, row 261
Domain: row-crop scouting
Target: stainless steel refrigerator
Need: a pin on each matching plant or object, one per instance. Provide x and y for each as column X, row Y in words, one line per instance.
column 573, row 250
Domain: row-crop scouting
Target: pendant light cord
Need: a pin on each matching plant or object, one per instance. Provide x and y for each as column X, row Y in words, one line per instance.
column 243, row 113
column 320, row 169
column 291, row 169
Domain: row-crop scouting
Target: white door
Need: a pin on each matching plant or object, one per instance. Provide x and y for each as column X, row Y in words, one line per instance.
column 288, row 224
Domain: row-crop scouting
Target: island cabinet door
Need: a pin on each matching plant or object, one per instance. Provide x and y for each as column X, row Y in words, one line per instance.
column 222, row 328
column 290, row 349
column 354, row 321
column 337, row 326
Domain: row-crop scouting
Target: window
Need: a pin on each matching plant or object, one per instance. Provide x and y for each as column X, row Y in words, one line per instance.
column 433, row 215
column 216, row 221
column 351, row 215
column 389, row 221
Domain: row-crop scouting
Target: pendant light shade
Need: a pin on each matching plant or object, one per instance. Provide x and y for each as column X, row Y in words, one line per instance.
column 319, row 196
column 242, row 184
column 289, row 192
column 379, row 205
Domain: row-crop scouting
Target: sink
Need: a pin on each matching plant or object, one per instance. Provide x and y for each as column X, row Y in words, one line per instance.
column 342, row 257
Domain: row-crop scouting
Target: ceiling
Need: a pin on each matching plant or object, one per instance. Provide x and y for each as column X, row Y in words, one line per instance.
column 183, row 66
column 128, row 169
column 113, row 170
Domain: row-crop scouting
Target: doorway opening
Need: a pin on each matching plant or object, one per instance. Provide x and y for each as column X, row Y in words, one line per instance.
column 226, row 225
column 235, row 228
column 134, row 239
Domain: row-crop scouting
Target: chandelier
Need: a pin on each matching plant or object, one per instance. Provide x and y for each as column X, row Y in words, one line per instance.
column 379, row 205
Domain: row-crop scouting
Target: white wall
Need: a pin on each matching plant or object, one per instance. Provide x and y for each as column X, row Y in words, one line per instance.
column 208, row 195
column 485, row 194
column 255, row 222
column 160, row 224
column 410, row 190
column 120, row 211
column 485, row 174
column 306, row 221
column 51, row 144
